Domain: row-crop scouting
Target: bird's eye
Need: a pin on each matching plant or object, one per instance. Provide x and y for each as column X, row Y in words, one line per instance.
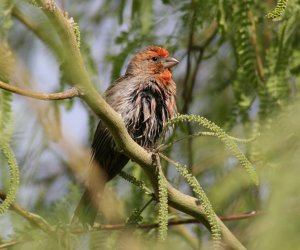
column 154, row 59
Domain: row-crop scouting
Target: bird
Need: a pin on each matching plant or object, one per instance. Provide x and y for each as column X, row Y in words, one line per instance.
column 145, row 97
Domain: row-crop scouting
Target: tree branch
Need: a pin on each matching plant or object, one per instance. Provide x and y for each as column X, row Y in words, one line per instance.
column 33, row 218
column 171, row 223
column 36, row 220
column 12, row 243
column 43, row 224
column 190, row 78
column 99, row 227
column 68, row 94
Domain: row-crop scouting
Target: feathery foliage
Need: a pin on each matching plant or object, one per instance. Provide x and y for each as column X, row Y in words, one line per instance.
column 135, row 182
column 246, row 80
column 6, row 151
column 76, row 31
column 278, row 11
column 162, row 207
column 6, row 69
column 204, row 201
column 231, row 145
column 13, row 176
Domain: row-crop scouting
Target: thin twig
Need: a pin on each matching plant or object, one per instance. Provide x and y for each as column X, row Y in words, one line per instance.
column 142, row 226
column 210, row 35
column 33, row 218
column 12, row 243
column 176, row 222
column 188, row 61
column 68, row 94
column 121, row 226
column 164, row 146
column 41, row 223
column 36, row 220
column 190, row 77
column 147, row 204
column 240, row 216
column 259, row 63
column 131, row 179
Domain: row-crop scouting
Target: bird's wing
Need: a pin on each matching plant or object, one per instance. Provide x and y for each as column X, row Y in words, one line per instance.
column 105, row 152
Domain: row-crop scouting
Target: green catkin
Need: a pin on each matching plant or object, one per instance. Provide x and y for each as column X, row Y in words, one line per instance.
column 134, row 218
column 5, row 149
column 278, row 11
column 33, row 2
column 135, row 182
column 231, row 145
column 200, row 194
column 6, row 65
column 238, row 140
column 162, row 203
column 163, row 207
column 13, row 176
column 77, row 33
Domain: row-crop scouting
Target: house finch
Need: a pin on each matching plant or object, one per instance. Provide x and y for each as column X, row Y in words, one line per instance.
column 145, row 98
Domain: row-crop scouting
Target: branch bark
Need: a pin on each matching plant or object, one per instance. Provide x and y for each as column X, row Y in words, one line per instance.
column 78, row 77
column 41, row 223
column 36, row 220
column 68, row 94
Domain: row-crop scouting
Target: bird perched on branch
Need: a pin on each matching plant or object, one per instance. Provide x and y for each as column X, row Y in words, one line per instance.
column 145, row 99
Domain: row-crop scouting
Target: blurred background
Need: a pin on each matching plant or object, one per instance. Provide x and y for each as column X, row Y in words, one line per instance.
column 237, row 68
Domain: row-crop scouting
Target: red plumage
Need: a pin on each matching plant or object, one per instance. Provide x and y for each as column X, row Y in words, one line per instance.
column 145, row 98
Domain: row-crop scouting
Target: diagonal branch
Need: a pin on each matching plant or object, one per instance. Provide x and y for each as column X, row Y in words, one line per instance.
column 33, row 218
column 7, row 245
column 37, row 221
column 68, row 94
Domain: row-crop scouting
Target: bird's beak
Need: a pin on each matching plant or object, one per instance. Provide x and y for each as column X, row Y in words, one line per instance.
column 169, row 62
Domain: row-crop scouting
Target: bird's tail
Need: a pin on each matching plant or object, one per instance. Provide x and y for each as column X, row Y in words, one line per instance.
column 88, row 206
column 86, row 210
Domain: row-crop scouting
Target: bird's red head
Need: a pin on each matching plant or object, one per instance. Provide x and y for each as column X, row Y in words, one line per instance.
column 153, row 61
